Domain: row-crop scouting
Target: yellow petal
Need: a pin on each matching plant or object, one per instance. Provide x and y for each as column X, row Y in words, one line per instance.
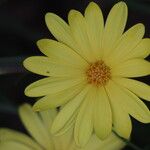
column 136, row 107
column 57, row 99
column 66, row 140
column 11, row 135
column 102, row 115
column 110, row 143
column 61, row 53
column 69, row 109
column 79, row 32
column 34, row 126
column 60, row 29
column 95, row 25
column 68, row 126
column 131, row 103
column 47, row 67
column 127, row 43
column 114, row 27
column 47, row 117
column 50, row 86
column 140, row 89
column 59, row 140
column 84, row 122
column 132, row 68
column 142, row 50
column 12, row 145
column 121, row 120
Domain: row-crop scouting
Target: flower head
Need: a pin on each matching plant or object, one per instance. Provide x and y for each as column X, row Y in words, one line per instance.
column 37, row 125
column 89, row 71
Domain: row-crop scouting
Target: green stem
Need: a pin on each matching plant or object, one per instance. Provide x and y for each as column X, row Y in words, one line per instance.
column 129, row 143
column 132, row 145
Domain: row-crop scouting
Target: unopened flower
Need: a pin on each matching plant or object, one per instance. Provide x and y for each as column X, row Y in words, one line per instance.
column 37, row 125
column 89, row 72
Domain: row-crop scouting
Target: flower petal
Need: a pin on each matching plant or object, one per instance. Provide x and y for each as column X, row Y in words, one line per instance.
column 121, row 120
column 102, row 115
column 140, row 89
column 132, row 68
column 136, row 107
column 79, row 32
column 114, row 27
column 95, row 24
column 84, row 122
column 60, row 29
column 131, row 103
column 47, row 67
column 11, row 135
column 110, row 143
column 127, row 43
column 68, row 126
column 34, row 126
column 61, row 53
column 142, row 50
column 51, row 85
column 64, row 141
column 13, row 146
column 69, row 109
column 47, row 117
column 57, row 99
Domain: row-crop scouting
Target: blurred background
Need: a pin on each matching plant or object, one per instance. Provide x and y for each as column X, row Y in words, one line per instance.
column 21, row 25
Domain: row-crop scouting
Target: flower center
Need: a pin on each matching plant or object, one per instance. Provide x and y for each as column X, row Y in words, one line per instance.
column 98, row 73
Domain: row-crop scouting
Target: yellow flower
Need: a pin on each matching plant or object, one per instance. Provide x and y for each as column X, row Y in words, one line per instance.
column 37, row 125
column 89, row 72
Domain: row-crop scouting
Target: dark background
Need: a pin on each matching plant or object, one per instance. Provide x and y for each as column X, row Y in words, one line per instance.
column 21, row 25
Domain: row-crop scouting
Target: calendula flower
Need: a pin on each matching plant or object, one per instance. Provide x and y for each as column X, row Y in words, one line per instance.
column 89, row 72
column 37, row 125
